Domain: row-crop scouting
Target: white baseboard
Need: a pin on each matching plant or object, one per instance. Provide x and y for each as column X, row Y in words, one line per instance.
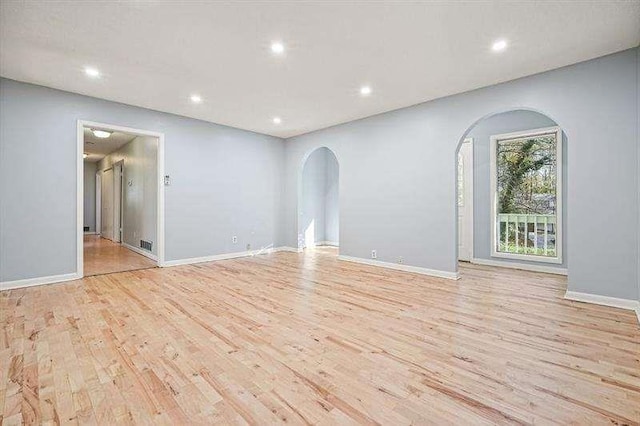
column 140, row 251
column 202, row 259
column 90, row 233
column 225, row 256
column 30, row 282
column 521, row 266
column 602, row 300
column 287, row 248
column 328, row 243
column 401, row 267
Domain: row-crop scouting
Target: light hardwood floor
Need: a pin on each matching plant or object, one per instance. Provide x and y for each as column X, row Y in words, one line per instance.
column 102, row 256
column 308, row 339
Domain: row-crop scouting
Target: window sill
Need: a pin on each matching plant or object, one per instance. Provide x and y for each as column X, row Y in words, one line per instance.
column 527, row 257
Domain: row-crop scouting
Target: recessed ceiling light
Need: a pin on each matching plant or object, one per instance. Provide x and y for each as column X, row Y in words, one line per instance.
column 365, row 90
column 85, row 155
column 277, row 120
column 102, row 134
column 277, row 48
column 92, row 72
column 196, row 99
column 499, row 45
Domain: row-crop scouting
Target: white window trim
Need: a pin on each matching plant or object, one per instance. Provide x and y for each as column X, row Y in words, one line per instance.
column 494, row 195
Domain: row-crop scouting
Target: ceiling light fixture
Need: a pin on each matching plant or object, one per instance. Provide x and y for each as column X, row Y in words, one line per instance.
column 277, row 48
column 102, row 134
column 277, row 120
column 196, row 99
column 365, row 90
column 499, row 45
column 92, row 72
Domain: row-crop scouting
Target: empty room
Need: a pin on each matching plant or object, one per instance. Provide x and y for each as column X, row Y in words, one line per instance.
column 358, row 212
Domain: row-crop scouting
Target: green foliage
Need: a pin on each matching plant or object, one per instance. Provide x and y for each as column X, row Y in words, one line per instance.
column 526, row 170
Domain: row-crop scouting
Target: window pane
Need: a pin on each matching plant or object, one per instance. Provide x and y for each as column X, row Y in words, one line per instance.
column 526, row 195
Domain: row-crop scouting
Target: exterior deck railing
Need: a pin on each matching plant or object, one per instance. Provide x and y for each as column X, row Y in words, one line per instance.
column 527, row 233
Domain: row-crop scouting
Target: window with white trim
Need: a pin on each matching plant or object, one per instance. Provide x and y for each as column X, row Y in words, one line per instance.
column 526, row 187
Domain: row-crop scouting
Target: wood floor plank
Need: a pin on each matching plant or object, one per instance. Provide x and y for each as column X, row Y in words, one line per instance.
column 307, row 339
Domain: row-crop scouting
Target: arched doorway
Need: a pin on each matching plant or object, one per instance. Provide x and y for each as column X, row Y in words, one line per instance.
column 511, row 192
column 318, row 201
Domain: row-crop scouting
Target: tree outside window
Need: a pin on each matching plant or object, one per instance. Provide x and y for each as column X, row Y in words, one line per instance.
column 526, row 186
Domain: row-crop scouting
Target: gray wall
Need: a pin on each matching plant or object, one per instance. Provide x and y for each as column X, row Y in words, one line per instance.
column 508, row 122
column 90, row 195
column 319, row 199
column 225, row 181
column 139, row 198
column 332, row 200
column 397, row 180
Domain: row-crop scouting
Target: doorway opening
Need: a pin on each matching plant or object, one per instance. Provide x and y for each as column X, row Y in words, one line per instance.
column 318, row 203
column 120, row 222
column 511, row 189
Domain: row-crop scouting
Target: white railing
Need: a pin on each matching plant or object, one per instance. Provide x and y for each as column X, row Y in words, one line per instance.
column 527, row 233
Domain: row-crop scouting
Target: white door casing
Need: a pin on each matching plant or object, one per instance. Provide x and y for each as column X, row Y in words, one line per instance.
column 98, row 202
column 107, row 204
column 117, row 201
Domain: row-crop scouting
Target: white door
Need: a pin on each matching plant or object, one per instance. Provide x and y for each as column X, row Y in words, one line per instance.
column 465, row 201
column 98, row 203
column 107, row 204
column 117, row 202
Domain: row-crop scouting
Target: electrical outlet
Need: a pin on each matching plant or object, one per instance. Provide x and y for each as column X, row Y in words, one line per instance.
column 400, row 259
column 234, row 239
column 374, row 254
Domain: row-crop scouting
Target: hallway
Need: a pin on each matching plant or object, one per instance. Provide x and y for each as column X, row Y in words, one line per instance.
column 102, row 256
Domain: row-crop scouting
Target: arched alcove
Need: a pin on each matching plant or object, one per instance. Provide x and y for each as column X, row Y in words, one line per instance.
column 318, row 200
column 493, row 156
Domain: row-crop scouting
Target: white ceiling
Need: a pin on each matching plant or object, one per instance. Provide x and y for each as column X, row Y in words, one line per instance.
column 97, row 148
column 155, row 54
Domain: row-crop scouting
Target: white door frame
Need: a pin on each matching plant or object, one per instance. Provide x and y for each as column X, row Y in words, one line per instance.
column 469, row 201
column 98, row 224
column 118, row 172
column 81, row 124
column 108, row 179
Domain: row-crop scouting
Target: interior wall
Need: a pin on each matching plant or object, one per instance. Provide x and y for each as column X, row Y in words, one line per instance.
column 140, row 194
column 319, row 208
column 406, row 158
column 397, row 180
column 332, row 201
column 507, row 122
column 90, row 195
column 224, row 181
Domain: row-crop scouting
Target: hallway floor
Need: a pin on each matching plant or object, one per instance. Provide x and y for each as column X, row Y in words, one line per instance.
column 102, row 256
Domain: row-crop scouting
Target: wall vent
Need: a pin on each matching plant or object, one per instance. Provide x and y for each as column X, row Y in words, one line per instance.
column 145, row 245
column 86, row 229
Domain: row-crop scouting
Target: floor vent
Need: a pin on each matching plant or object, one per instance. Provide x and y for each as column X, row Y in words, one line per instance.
column 145, row 245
